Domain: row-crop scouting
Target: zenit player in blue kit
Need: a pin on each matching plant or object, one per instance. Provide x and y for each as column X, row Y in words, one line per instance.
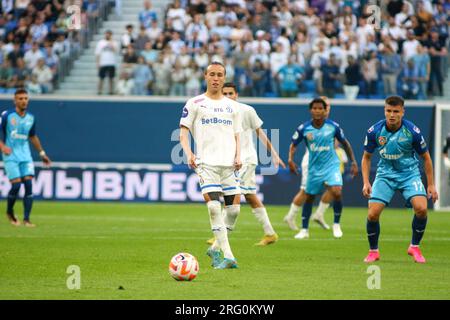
column 18, row 126
column 398, row 141
column 324, row 165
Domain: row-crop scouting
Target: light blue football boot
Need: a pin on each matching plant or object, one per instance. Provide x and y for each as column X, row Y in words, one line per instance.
column 227, row 264
column 215, row 256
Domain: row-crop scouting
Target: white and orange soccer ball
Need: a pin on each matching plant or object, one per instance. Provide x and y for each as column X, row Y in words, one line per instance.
column 183, row 267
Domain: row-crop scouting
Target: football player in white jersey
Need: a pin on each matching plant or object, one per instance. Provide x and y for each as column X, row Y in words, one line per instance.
column 214, row 122
column 300, row 197
column 251, row 123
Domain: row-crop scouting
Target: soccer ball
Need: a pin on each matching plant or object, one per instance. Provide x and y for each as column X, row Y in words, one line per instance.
column 183, row 267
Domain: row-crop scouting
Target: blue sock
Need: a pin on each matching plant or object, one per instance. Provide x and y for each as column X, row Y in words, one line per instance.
column 373, row 233
column 337, row 206
column 27, row 199
column 418, row 229
column 306, row 214
column 12, row 197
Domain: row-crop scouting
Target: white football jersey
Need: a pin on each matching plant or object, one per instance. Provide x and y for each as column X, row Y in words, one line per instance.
column 250, row 122
column 213, row 124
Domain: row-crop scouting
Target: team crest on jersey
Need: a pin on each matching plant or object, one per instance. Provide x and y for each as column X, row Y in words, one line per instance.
column 13, row 121
column 310, row 137
column 229, row 109
column 185, row 112
column 382, row 140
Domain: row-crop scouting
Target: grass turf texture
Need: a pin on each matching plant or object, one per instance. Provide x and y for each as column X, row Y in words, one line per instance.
column 130, row 246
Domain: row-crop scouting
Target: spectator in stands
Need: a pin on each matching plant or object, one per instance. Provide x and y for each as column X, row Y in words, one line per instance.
column 193, row 79
column 125, row 85
column 33, row 86
column 194, row 45
column 331, row 76
column 352, row 78
column 43, row 75
column 422, row 61
column 32, row 56
column 162, row 71
column 177, row 16
column 212, row 15
column 290, row 77
column 410, row 80
column 148, row 15
column 258, row 75
column 154, row 31
column 92, row 13
column 22, row 30
column 184, row 57
column 176, row 43
column 278, row 59
column 141, row 39
column 15, row 54
column 127, row 38
column 51, row 61
column 178, row 80
column 143, row 76
column 200, row 29
column 370, row 73
column 105, row 53
column 39, row 30
column 390, row 69
column 21, row 73
column 317, row 60
column 409, row 47
column 150, row 55
column 436, row 50
column 6, row 75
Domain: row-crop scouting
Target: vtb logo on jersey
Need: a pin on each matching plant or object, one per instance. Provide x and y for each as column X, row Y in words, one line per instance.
column 382, row 140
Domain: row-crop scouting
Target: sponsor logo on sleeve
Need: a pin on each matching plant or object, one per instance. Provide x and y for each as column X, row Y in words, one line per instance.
column 185, row 113
column 295, row 136
column 417, row 130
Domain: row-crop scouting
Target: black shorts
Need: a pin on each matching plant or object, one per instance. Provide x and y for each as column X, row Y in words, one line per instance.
column 107, row 71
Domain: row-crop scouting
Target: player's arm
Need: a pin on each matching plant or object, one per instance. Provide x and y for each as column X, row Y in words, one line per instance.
column 3, row 121
column 428, row 166
column 38, row 146
column 292, row 165
column 339, row 135
column 184, row 140
column 365, row 170
column 237, row 158
column 265, row 140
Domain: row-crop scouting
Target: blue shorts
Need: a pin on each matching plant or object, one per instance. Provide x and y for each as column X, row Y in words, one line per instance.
column 383, row 189
column 316, row 182
column 16, row 169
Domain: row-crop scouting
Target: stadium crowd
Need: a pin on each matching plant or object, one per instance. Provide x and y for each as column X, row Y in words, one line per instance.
column 290, row 48
column 39, row 40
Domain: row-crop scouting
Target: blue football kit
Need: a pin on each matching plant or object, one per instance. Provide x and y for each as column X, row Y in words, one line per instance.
column 324, row 164
column 16, row 133
column 398, row 168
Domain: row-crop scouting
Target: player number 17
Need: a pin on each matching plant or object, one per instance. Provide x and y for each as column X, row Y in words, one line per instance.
column 418, row 185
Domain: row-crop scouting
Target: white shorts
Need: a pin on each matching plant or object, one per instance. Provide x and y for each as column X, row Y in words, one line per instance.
column 218, row 179
column 247, row 178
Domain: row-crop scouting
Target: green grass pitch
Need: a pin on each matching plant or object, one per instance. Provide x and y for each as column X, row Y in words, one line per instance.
column 130, row 246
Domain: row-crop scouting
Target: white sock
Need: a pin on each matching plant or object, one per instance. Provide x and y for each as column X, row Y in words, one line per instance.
column 323, row 206
column 231, row 215
column 263, row 218
column 219, row 229
column 293, row 211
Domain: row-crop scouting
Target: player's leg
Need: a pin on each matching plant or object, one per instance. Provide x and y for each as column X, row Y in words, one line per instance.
column 28, row 201
column 261, row 215
column 209, row 180
column 373, row 230
column 247, row 180
column 306, row 214
column 27, row 172
column 13, row 173
column 298, row 201
column 419, row 224
column 319, row 215
column 414, row 191
column 382, row 192
column 336, row 192
column 232, row 197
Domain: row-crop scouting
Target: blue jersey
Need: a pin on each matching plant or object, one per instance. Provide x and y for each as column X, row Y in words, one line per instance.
column 397, row 149
column 320, row 143
column 16, row 131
